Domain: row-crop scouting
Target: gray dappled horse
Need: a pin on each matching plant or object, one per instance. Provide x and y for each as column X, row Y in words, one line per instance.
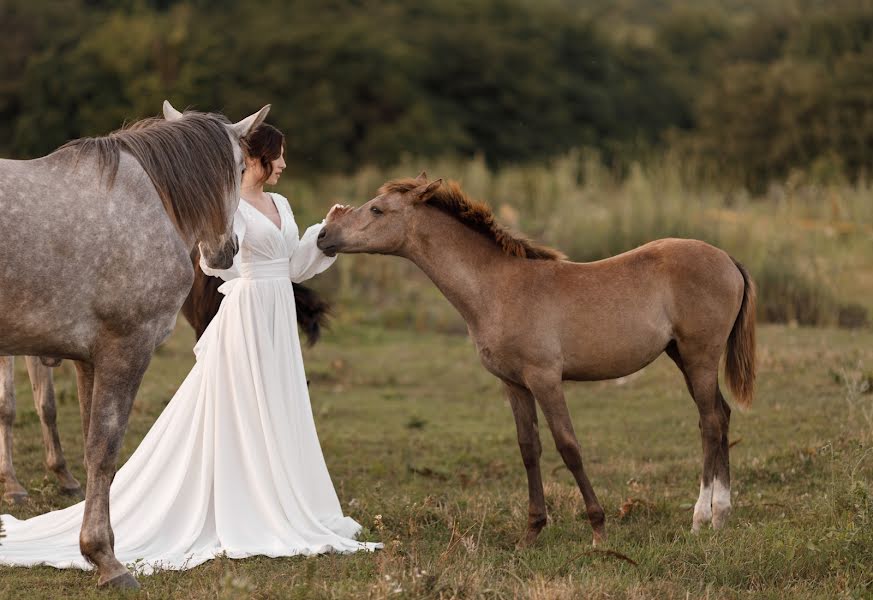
column 538, row 319
column 95, row 243
column 199, row 309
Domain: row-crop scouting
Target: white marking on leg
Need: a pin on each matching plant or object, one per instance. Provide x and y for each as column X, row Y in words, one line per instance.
column 721, row 503
column 703, row 508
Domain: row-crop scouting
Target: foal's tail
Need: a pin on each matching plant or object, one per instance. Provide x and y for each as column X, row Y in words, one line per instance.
column 740, row 359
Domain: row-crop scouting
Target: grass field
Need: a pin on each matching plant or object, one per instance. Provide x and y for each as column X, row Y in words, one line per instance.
column 421, row 446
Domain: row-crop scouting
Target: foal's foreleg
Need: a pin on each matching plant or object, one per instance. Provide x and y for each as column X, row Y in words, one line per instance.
column 117, row 376
column 550, row 396
column 525, row 412
column 14, row 492
column 44, row 399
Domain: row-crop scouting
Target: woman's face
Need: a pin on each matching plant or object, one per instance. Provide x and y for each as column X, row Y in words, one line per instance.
column 278, row 166
column 255, row 172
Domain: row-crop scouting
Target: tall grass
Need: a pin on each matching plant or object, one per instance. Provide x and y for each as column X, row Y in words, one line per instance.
column 799, row 240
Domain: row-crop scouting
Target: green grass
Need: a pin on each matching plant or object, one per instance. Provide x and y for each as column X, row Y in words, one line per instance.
column 415, row 430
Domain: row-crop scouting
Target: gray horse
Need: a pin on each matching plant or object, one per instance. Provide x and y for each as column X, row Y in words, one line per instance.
column 95, row 243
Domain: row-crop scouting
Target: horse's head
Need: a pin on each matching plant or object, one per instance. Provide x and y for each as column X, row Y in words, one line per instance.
column 219, row 244
column 382, row 225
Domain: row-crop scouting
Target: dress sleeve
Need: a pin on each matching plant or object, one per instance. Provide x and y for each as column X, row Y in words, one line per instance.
column 307, row 260
column 233, row 272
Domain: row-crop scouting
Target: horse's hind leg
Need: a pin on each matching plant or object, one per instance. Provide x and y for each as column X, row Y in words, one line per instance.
column 721, row 493
column 701, row 376
column 550, row 396
column 14, row 492
column 44, row 399
column 525, row 412
column 118, row 371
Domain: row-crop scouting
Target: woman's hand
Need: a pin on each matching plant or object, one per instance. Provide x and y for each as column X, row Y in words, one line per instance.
column 338, row 210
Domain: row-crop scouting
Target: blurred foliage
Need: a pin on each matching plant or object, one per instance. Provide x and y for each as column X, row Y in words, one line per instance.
column 748, row 91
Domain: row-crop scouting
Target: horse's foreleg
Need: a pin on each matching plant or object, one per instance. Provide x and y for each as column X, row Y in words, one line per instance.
column 525, row 412
column 117, row 375
column 14, row 493
column 42, row 383
column 550, row 396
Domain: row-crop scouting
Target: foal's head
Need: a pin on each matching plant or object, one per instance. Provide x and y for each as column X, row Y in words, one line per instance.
column 380, row 226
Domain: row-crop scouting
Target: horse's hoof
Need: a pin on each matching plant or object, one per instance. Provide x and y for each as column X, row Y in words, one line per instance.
column 16, row 497
column 72, row 491
column 719, row 520
column 599, row 538
column 528, row 540
column 125, row 581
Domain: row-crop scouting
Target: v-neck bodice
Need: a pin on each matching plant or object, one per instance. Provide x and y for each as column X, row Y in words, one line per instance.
column 281, row 224
column 263, row 240
column 270, row 252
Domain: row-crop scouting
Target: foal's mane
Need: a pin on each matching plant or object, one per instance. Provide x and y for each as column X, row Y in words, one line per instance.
column 189, row 160
column 452, row 200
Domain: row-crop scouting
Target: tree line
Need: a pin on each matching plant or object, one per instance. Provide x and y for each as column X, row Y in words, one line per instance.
column 367, row 82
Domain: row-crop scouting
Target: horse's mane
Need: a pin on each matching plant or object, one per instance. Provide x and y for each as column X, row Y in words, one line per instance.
column 452, row 200
column 189, row 160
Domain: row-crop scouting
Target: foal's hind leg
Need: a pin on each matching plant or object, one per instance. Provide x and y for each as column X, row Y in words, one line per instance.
column 44, row 398
column 14, row 492
column 701, row 377
column 525, row 412
column 549, row 394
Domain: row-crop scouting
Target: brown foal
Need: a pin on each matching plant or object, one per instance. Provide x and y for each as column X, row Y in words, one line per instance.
column 537, row 319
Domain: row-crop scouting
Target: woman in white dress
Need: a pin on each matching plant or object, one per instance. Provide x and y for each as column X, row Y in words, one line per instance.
column 233, row 465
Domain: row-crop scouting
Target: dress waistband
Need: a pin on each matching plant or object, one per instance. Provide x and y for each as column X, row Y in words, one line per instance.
column 265, row 269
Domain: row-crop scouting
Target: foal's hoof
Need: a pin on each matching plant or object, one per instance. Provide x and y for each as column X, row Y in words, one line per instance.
column 528, row 539
column 16, row 497
column 125, row 581
column 599, row 538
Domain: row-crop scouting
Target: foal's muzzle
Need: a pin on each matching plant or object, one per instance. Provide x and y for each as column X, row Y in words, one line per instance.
column 326, row 242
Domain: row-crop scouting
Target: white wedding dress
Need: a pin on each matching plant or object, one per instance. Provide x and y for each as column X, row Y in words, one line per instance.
column 233, row 465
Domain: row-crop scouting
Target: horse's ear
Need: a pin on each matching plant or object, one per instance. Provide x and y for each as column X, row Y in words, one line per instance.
column 422, row 177
column 423, row 192
column 242, row 128
column 170, row 113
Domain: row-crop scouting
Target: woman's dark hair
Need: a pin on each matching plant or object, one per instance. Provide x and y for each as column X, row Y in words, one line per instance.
column 265, row 144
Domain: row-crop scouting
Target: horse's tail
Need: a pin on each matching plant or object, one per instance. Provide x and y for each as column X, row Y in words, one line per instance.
column 312, row 312
column 740, row 360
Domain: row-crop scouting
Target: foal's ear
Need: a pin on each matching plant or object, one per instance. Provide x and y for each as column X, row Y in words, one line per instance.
column 423, row 192
column 244, row 127
column 170, row 113
column 422, row 177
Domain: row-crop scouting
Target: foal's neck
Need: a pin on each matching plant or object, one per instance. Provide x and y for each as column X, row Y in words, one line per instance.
column 464, row 264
